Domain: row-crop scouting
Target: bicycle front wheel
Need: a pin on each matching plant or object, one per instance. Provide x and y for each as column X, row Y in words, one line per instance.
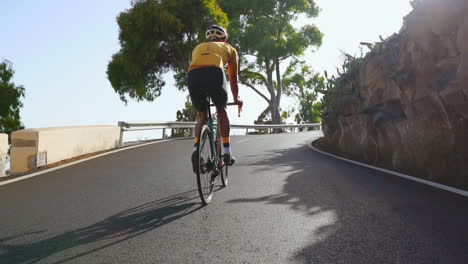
column 206, row 163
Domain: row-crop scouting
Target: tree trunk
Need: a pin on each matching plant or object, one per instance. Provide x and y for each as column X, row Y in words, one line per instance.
column 279, row 82
column 278, row 96
column 275, row 116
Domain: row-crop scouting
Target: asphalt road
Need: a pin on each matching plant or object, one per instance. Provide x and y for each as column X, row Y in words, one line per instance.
column 284, row 204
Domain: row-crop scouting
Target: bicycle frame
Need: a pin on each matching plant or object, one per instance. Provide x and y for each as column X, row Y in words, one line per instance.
column 216, row 138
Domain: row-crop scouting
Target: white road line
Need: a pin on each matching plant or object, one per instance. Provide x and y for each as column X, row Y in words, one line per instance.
column 78, row 161
column 433, row 184
column 243, row 140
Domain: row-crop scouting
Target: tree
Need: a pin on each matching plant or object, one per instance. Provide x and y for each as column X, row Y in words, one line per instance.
column 303, row 84
column 10, row 104
column 309, row 112
column 157, row 36
column 265, row 37
column 186, row 115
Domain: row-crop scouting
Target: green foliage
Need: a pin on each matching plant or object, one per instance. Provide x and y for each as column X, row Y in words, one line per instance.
column 303, row 84
column 157, row 36
column 309, row 112
column 285, row 115
column 10, row 104
column 188, row 114
column 300, row 79
column 374, row 48
column 335, row 87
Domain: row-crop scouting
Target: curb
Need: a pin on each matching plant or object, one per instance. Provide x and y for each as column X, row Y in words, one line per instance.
column 81, row 160
column 412, row 178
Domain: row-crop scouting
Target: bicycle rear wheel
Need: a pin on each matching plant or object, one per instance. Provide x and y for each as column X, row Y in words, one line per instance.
column 224, row 174
column 206, row 164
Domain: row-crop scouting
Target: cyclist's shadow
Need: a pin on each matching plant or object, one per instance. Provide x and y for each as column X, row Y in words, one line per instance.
column 112, row 230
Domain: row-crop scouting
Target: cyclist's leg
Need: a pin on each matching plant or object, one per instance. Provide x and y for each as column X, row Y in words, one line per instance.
column 198, row 96
column 225, row 128
column 202, row 120
column 224, row 125
column 218, row 93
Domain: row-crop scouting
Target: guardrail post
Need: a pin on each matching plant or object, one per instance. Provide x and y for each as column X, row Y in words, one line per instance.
column 121, row 125
column 246, row 131
column 164, row 133
column 192, row 132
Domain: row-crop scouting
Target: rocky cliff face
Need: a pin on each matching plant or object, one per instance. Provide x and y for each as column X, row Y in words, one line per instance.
column 407, row 108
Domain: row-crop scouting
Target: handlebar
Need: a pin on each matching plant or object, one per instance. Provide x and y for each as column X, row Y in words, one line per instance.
column 226, row 104
column 239, row 107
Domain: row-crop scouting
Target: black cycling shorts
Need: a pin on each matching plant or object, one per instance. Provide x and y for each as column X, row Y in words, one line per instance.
column 207, row 82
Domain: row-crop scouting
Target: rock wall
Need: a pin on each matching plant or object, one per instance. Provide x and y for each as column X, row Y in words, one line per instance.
column 407, row 110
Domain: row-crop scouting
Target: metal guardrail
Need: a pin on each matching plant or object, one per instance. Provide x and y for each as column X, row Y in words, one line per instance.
column 124, row 126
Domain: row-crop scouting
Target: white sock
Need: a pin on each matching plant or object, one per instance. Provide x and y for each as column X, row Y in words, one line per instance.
column 227, row 150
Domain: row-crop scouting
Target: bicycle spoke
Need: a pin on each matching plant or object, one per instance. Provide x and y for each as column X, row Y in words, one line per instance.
column 206, row 166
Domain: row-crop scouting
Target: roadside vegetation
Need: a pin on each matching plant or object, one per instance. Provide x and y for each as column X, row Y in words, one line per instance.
column 10, row 99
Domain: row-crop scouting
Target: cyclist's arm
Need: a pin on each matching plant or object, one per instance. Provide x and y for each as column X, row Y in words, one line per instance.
column 233, row 69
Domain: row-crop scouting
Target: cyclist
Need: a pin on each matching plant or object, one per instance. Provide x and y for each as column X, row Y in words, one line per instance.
column 206, row 78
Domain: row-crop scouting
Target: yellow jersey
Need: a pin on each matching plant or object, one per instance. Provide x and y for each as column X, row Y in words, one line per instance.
column 215, row 54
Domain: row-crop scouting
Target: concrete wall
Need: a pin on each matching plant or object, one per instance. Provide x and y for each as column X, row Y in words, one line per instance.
column 3, row 153
column 33, row 148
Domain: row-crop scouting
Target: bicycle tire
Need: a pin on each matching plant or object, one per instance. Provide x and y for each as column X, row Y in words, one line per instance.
column 205, row 156
column 224, row 175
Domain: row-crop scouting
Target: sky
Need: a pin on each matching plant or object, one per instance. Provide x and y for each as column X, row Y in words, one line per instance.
column 60, row 51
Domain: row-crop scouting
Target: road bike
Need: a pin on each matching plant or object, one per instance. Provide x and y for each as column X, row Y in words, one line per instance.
column 211, row 165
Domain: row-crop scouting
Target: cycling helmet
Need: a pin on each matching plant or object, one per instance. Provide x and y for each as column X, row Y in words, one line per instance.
column 216, row 32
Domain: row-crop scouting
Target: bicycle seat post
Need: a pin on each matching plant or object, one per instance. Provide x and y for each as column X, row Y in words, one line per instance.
column 209, row 109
